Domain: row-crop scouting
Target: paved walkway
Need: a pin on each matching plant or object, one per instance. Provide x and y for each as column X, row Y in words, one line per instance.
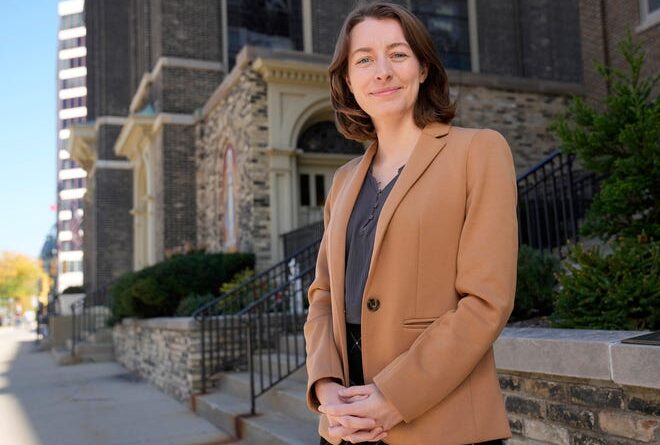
column 86, row 404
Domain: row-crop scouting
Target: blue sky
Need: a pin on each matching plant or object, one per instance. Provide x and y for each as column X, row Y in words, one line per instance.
column 28, row 52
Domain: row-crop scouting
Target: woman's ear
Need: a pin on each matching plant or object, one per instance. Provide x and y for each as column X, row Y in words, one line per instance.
column 423, row 73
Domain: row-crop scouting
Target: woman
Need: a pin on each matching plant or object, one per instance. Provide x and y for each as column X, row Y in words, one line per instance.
column 416, row 271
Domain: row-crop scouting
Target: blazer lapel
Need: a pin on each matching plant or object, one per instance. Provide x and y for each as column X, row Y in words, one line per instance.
column 432, row 140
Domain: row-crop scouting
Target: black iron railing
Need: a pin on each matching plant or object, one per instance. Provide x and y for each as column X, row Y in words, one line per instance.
column 251, row 320
column 90, row 314
column 553, row 198
column 303, row 236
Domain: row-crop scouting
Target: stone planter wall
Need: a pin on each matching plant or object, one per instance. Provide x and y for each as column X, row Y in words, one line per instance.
column 579, row 387
column 163, row 351
column 167, row 351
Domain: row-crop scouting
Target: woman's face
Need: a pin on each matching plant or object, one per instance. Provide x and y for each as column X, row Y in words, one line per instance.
column 383, row 72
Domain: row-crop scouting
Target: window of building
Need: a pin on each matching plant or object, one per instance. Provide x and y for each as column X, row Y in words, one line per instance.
column 71, row 83
column 71, row 21
column 447, row 21
column 71, row 266
column 649, row 14
column 269, row 23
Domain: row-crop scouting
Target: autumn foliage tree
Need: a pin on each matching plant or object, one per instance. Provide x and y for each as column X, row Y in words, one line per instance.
column 19, row 278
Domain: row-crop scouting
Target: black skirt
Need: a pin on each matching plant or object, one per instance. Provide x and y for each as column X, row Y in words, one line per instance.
column 356, row 377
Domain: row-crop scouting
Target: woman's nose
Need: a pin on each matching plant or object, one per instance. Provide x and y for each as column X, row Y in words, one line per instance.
column 383, row 69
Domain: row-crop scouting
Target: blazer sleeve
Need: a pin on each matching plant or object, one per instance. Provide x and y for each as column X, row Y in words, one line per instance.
column 448, row 350
column 323, row 359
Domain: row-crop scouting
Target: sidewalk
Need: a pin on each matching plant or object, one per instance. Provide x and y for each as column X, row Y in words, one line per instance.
column 86, row 404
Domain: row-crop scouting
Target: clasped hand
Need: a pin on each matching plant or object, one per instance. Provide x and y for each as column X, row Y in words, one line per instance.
column 358, row 413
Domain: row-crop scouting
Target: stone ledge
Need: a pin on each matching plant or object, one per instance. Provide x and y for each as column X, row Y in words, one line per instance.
column 579, row 353
column 170, row 323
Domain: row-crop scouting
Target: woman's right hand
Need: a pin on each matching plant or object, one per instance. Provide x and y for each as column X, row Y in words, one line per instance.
column 360, row 429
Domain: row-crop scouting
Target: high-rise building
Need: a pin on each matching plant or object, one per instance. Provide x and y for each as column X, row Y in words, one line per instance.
column 71, row 109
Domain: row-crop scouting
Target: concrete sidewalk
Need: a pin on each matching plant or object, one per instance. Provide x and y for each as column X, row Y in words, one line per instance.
column 86, row 404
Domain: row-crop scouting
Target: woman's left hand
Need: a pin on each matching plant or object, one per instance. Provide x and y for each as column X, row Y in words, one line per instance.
column 371, row 403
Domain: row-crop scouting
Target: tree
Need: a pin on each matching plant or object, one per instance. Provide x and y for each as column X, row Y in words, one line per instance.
column 623, row 143
column 19, row 277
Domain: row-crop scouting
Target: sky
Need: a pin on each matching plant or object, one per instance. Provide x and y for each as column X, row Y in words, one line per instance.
column 28, row 63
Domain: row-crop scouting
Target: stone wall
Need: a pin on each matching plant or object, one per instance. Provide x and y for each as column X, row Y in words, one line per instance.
column 520, row 109
column 578, row 387
column 238, row 120
column 164, row 351
column 572, row 411
column 167, row 351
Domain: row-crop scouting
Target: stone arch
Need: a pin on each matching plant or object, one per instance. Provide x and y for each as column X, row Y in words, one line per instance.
column 315, row 132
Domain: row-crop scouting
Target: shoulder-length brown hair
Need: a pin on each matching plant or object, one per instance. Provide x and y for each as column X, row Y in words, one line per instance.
column 433, row 103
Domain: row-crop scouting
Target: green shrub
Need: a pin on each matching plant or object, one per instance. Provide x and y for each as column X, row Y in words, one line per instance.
column 535, row 283
column 157, row 290
column 621, row 143
column 620, row 290
column 74, row 290
column 191, row 303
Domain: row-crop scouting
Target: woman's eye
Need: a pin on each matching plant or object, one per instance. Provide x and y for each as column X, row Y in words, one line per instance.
column 364, row 59
column 400, row 55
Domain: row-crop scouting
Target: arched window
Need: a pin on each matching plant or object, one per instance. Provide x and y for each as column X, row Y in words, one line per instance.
column 323, row 137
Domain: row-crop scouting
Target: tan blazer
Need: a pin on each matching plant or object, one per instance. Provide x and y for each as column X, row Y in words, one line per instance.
column 441, row 284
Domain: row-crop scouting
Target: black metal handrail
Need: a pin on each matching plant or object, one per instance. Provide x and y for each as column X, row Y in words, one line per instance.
column 274, row 323
column 553, row 197
column 297, row 239
column 226, row 323
column 90, row 314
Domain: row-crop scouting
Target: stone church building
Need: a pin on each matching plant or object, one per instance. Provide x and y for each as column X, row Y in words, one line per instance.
column 211, row 126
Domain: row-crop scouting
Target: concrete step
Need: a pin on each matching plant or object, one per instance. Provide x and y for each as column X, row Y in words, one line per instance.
column 285, row 363
column 85, row 348
column 293, row 341
column 278, row 429
column 101, row 336
column 232, row 414
column 222, row 410
column 288, row 396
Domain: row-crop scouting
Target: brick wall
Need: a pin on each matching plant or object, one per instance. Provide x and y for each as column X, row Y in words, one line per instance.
column 178, row 188
column 89, row 238
column 139, row 37
column 182, row 90
column 108, row 57
column 113, row 199
column 105, row 142
column 535, row 39
column 603, row 24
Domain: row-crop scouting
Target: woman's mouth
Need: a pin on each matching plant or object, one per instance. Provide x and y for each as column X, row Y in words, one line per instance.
column 385, row 91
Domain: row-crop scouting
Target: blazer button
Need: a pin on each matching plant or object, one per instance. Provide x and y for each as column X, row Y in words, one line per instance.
column 373, row 304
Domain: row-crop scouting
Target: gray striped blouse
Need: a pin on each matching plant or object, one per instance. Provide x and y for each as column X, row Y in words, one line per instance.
column 360, row 235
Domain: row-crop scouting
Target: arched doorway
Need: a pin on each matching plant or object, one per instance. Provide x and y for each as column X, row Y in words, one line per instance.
column 324, row 149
